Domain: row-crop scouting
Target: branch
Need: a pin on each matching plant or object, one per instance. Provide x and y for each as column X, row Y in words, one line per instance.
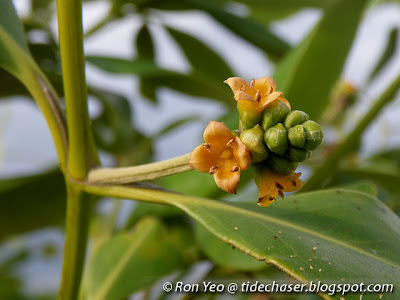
column 140, row 173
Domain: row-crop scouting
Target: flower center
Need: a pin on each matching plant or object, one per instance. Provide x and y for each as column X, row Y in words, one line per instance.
column 226, row 154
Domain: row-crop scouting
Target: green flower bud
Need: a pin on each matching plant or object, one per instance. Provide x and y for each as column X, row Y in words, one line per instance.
column 254, row 140
column 297, row 155
column 314, row 135
column 276, row 138
column 274, row 113
column 297, row 136
column 249, row 118
column 282, row 165
column 294, row 118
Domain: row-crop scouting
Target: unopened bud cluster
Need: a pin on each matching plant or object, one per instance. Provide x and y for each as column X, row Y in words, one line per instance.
column 283, row 139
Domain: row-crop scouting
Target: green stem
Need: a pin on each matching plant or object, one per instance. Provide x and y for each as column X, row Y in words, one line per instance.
column 140, row 173
column 81, row 150
column 328, row 168
column 78, row 216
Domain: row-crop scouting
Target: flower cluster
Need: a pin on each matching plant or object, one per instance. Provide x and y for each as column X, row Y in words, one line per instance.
column 273, row 139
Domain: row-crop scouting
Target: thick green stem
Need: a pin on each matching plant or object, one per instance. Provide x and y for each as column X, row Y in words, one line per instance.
column 81, row 150
column 328, row 168
column 140, row 173
column 78, row 216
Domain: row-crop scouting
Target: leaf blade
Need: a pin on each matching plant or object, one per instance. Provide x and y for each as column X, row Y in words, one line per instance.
column 120, row 258
column 201, row 57
column 310, row 70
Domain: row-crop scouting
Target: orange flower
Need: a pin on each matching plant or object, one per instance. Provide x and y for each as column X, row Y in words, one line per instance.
column 257, row 95
column 271, row 184
column 222, row 155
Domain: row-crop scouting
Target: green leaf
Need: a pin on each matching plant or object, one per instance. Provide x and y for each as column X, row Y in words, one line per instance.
column 144, row 209
column 112, row 129
column 30, row 203
column 388, row 53
column 129, row 262
column 10, row 24
column 362, row 186
column 224, row 255
column 249, row 30
column 345, row 236
column 327, row 226
column 201, row 57
column 192, row 84
column 145, row 50
column 309, row 72
column 16, row 59
column 383, row 174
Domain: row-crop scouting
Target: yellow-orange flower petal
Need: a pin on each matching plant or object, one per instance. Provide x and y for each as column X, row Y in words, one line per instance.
column 257, row 95
column 237, row 84
column 216, row 133
column 223, row 155
column 202, row 159
column 271, row 184
column 242, row 153
column 227, row 177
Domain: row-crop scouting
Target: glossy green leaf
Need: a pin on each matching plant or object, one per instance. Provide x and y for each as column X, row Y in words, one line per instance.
column 390, row 50
column 201, row 57
column 309, row 72
column 225, row 255
column 30, row 203
column 192, row 84
column 249, row 30
column 129, row 262
column 332, row 236
column 145, row 50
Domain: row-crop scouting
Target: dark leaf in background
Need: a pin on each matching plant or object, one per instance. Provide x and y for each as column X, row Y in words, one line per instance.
column 266, row 11
column 309, row 72
column 10, row 86
column 145, row 50
column 249, row 30
column 30, row 203
column 114, row 131
column 113, row 273
column 144, row 209
column 392, row 44
column 202, row 58
column 192, row 84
